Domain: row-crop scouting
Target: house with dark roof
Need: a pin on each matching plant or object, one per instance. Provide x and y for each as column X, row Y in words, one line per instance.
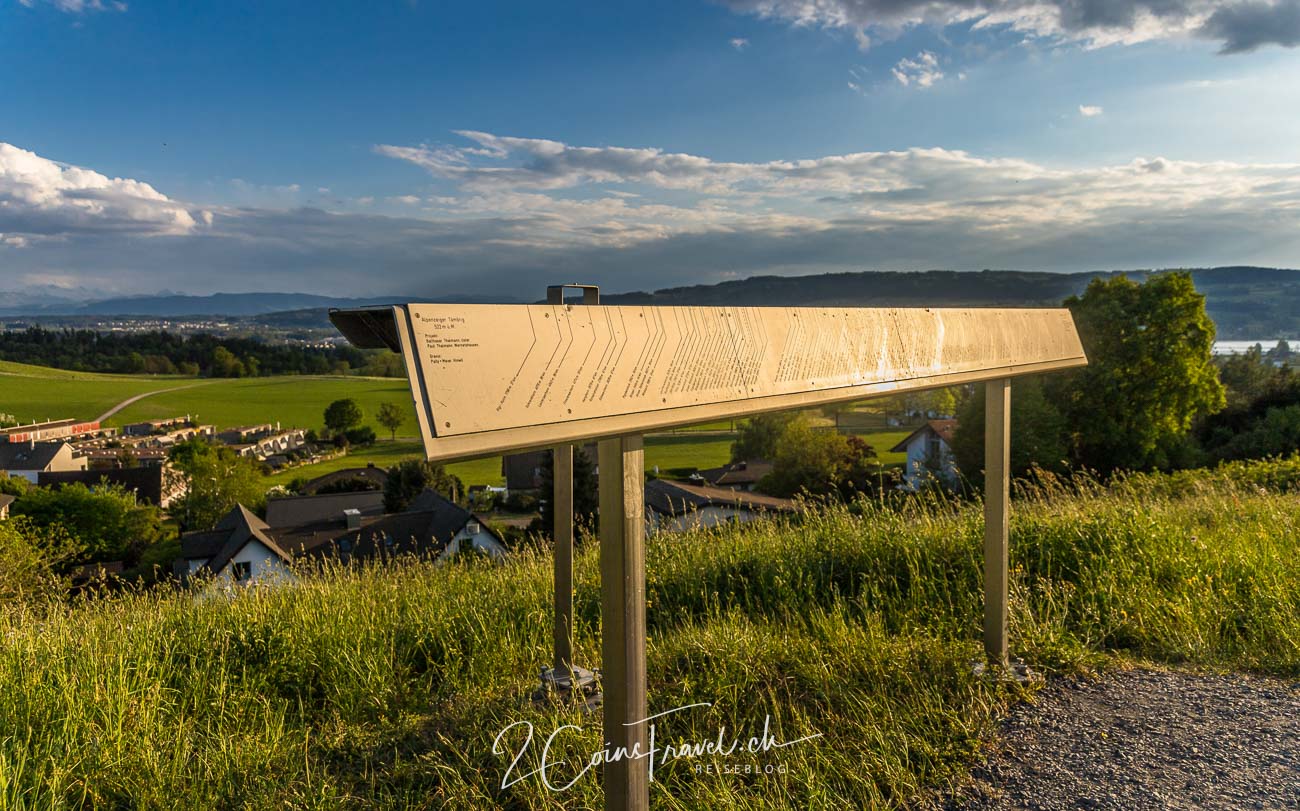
column 929, row 454
column 370, row 475
column 238, row 551
column 735, row 475
column 292, row 511
column 154, row 484
column 29, row 459
column 243, row 549
column 5, row 501
column 678, row 506
column 523, row 471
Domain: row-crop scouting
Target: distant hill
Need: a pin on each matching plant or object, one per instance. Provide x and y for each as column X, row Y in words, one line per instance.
column 1245, row 302
column 300, row 307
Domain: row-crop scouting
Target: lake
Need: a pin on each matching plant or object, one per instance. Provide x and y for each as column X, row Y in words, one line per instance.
column 1238, row 347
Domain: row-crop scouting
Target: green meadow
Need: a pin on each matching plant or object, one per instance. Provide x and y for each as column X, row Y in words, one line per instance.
column 387, row 687
column 36, row 393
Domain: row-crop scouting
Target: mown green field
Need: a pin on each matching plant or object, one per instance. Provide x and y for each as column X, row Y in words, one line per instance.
column 35, row 393
column 293, row 401
column 387, row 688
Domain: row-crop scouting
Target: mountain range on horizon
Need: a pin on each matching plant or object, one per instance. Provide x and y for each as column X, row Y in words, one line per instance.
column 1246, row 302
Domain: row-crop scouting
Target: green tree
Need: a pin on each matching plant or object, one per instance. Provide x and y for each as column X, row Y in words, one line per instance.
column 1039, row 436
column 1246, row 376
column 106, row 520
column 341, row 415
column 759, row 435
column 13, row 485
column 391, row 416
column 818, row 463
column 409, row 478
column 216, row 479
column 34, row 561
column 586, row 498
column 1150, row 371
column 225, row 364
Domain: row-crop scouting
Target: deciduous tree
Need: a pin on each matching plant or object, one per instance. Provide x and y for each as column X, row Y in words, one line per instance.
column 1150, row 371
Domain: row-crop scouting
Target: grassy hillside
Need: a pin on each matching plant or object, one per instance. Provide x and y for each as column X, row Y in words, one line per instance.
column 34, row 393
column 297, row 401
column 387, row 688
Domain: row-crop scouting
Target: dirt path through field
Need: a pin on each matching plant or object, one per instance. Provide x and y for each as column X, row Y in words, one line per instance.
column 128, row 401
column 1147, row 739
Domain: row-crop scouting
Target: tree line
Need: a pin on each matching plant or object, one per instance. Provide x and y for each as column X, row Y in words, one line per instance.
column 169, row 353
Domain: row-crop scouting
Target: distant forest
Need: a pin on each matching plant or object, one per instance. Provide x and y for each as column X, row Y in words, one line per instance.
column 169, row 353
column 1247, row 303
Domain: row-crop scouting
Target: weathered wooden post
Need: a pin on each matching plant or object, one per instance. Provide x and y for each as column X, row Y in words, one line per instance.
column 622, row 610
column 562, row 511
column 563, row 676
column 997, row 499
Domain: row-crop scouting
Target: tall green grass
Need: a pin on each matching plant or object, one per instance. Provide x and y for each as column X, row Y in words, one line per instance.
column 386, row 688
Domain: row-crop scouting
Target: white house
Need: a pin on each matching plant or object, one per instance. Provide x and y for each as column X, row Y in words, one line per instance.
column 29, row 459
column 676, row 507
column 5, row 501
column 239, row 551
column 243, row 549
column 929, row 454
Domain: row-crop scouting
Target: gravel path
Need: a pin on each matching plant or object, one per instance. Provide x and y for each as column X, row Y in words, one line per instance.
column 1147, row 740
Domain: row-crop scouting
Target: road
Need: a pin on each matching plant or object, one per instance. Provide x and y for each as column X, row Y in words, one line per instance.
column 130, row 400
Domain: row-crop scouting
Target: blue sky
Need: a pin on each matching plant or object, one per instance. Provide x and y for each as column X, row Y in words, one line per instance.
column 427, row 148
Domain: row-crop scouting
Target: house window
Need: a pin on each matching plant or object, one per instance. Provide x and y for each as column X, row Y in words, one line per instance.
column 242, row 570
column 932, row 448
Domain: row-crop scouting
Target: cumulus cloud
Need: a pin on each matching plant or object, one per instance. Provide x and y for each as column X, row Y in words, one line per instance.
column 1239, row 26
column 44, row 199
column 1090, row 110
column 513, row 214
column 739, row 43
column 922, row 71
column 1246, row 26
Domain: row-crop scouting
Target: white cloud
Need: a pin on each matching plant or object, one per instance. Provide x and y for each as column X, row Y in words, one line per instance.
column 80, row 6
column 1090, row 110
column 44, row 199
column 512, row 214
column 740, row 43
column 1242, row 25
column 923, row 71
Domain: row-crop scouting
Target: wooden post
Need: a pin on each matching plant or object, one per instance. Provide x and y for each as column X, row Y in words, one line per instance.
column 562, row 511
column 622, row 604
column 997, row 498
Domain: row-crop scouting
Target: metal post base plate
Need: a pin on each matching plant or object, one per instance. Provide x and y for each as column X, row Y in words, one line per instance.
column 559, row 687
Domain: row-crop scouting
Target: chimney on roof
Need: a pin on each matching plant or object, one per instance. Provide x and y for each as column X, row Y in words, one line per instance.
column 353, row 517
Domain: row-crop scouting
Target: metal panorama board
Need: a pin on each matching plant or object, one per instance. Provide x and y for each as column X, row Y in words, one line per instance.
column 488, row 378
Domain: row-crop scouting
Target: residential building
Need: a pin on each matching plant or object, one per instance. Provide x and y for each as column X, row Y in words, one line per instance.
column 48, row 431
column 371, row 475
column 158, row 484
column 736, row 475
column 292, row 511
column 5, row 501
column 929, row 454
column 30, row 459
column 523, row 471
column 677, row 506
column 243, row 549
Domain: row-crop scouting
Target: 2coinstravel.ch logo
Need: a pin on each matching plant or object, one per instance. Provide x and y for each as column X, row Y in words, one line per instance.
column 657, row 753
